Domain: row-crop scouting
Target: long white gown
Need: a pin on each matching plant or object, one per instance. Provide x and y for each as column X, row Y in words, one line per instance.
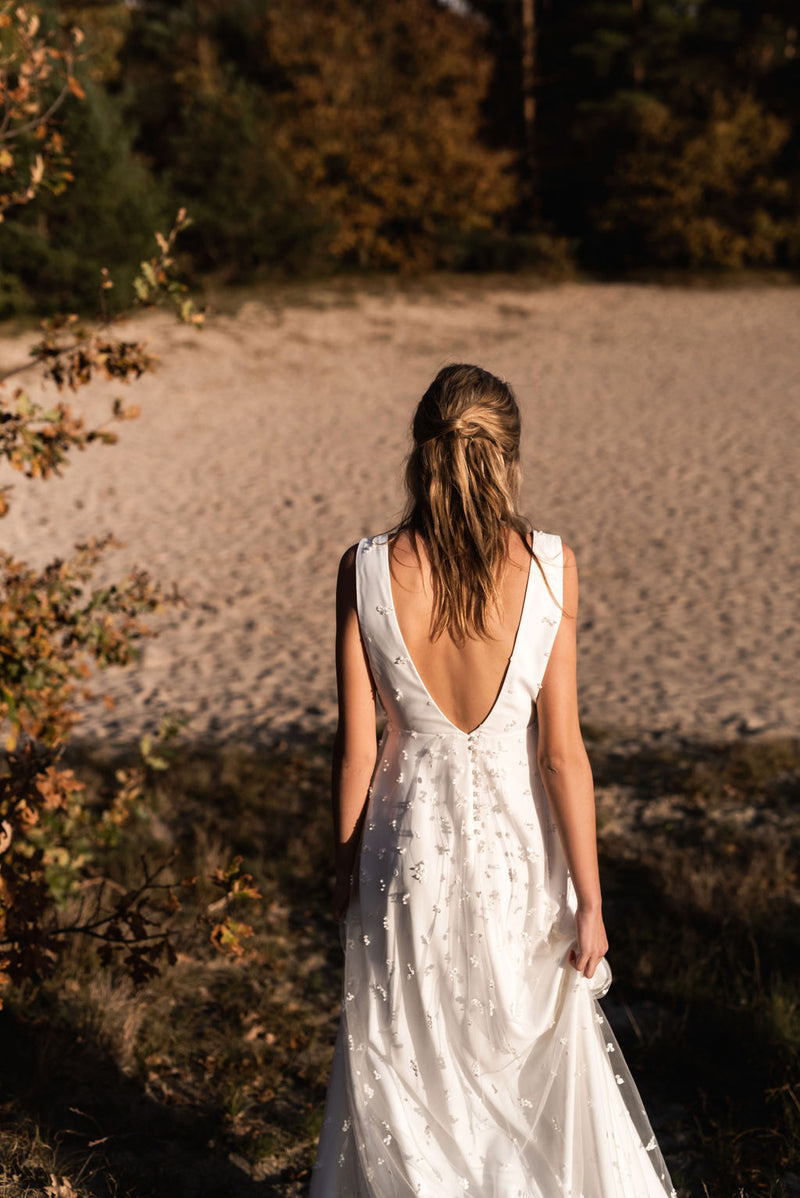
column 472, row 1061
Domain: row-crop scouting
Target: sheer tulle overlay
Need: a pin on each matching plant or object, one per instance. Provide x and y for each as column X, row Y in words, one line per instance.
column 472, row 1061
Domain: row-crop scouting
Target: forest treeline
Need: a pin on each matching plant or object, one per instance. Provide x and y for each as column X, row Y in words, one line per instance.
column 313, row 136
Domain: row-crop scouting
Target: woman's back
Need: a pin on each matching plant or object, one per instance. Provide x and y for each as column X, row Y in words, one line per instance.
column 463, row 678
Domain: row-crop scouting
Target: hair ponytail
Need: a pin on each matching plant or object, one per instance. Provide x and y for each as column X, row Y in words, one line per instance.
column 463, row 480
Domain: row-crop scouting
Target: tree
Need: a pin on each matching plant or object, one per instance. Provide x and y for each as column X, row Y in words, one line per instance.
column 99, row 206
column 658, row 116
column 316, row 135
column 381, row 120
column 701, row 193
column 54, row 626
column 514, row 87
column 196, row 79
column 54, row 250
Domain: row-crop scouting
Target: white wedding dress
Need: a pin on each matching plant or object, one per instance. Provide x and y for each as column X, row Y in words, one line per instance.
column 473, row 1061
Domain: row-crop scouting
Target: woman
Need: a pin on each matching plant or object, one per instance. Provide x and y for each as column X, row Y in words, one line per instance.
column 473, row 1058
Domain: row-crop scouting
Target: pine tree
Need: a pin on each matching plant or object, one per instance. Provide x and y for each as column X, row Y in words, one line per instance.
column 666, row 131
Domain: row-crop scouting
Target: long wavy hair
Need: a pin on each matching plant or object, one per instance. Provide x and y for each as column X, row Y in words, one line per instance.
column 463, row 481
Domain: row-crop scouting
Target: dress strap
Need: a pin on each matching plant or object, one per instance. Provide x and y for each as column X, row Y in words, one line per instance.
column 547, row 584
column 374, row 605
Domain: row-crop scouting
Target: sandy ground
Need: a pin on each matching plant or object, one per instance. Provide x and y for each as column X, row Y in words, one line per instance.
column 660, row 440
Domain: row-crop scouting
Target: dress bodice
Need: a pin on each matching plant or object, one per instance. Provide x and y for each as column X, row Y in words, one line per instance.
column 401, row 690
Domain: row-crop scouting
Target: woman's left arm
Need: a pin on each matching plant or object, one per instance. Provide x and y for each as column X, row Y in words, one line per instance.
column 355, row 747
column 567, row 777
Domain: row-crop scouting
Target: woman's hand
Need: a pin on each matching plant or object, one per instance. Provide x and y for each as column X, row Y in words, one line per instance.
column 591, row 943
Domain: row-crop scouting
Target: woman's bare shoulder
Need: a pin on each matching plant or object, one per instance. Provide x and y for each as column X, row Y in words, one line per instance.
column 408, row 556
column 405, row 543
column 346, row 579
column 570, row 598
column 519, row 548
column 347, row 562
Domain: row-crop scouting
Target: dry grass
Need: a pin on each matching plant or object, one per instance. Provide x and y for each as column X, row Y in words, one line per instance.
column 210, row 1081
column 701, row 850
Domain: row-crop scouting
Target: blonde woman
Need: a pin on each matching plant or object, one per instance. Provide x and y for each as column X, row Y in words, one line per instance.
column 473, row 1058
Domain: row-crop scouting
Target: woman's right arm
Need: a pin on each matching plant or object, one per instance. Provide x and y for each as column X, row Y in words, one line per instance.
column 355, row 748
column 567, row 777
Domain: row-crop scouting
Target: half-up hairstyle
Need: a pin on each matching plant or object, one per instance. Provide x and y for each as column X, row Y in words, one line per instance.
column 463, row 480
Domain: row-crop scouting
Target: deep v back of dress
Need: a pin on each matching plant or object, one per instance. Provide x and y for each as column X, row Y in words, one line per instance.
column 473, row 1061
column 464, row 678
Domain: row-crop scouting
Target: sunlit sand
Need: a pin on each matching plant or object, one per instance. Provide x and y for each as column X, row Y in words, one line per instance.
column 660, row 439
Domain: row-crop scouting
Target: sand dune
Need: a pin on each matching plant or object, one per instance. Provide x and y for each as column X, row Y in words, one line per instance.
column 660, row 440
